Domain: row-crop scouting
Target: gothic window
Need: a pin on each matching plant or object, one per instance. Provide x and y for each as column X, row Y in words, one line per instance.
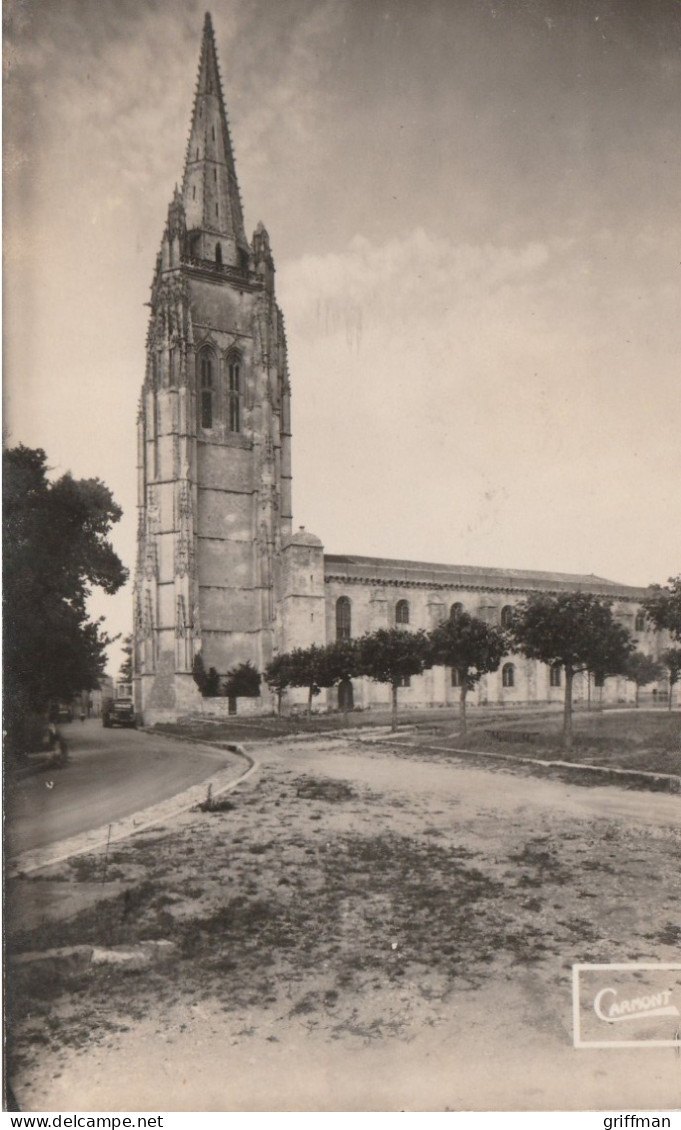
column 640, row 624
column 506, row 614
column 207, row 389
column 555, row 677
column 234, row 394
column 343, row 618
column 508, row 675
column 218, row 254
column 402, row 612
column 456, row 678
column 599, row 681
column 454, row 611
column 212, row 130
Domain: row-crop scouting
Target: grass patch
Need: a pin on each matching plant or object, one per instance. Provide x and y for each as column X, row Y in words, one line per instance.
column 637, row 741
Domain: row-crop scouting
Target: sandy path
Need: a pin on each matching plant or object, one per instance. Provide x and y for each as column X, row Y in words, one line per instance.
column 375, row 767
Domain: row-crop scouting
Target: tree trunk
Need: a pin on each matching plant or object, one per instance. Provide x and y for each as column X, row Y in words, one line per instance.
column 588, row 690
column 462, row 703
column 567, row 709
column 393, row 721
column 671, row 692
column 636, row 696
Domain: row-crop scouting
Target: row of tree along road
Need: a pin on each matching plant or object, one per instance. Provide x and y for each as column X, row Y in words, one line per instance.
column 56, row 548
column 574, row 631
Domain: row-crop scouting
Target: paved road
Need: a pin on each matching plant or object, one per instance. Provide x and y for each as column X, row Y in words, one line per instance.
column 112, row 774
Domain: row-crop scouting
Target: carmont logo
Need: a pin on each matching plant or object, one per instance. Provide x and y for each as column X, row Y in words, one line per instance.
column 612, row 1008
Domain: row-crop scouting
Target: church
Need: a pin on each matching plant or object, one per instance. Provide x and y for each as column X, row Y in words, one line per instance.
column 220, row 569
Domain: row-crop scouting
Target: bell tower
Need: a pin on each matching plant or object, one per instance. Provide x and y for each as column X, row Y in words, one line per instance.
column 214, row 434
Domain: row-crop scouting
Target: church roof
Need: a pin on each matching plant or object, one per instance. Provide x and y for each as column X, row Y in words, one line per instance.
column 210, row 190
column 383, row 570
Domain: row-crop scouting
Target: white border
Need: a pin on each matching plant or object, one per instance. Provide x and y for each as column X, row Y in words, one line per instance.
column 577, row 1041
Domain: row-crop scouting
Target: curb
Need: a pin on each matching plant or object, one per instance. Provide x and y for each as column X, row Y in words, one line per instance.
column 221, row 782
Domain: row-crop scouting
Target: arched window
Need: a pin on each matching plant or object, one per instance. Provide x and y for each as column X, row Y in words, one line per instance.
column 508, row 675
column 343, row 618
column 506, row 615
column 402, row 612
column 234, row 364
column 456, row 678
column 454, row 611
column 218, row 254
column 640, row 622
column 555, row 676
column 599, row 681
column 206, row 392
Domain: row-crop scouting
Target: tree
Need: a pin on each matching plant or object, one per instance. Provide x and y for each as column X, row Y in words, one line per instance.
column 208, row 681
column 671, row 658
column 309, row 668
column 342, row 662
column 199, row 672
column 576, row 631
column 243, row 681
column 125, row 669
column 392, row 655
column 663, row 606
column 56, row 549
column 277, row 675
column 642, row 669
column 471, row 648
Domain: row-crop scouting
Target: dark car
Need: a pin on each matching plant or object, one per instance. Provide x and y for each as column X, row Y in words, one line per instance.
column 118, row 712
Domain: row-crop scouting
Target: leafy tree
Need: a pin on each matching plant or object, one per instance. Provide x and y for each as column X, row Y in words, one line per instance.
column 208, row 681
column 392, row 655
column 199, row 672
column 471, row 647
column 663, row 606
column 212, row 684
column 309, row 668
column 642, row 669
column 671, row 659
column 342, row 660
column 574, row 630
column 277, row 675
column 56, row 549
column 243, row 681
column 125, row 669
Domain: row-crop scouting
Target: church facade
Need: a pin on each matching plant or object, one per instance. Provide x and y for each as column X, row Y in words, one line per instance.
column 220, row 571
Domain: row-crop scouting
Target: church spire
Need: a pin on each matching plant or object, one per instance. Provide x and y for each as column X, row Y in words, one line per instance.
column 210, row 191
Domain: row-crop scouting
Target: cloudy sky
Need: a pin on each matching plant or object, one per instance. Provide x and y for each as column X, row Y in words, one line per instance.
column 475, row 211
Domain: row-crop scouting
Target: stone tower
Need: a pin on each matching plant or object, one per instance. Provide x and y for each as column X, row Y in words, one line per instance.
column 214, row 440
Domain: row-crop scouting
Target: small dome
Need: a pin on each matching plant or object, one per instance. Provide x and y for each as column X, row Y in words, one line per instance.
column 304, row 537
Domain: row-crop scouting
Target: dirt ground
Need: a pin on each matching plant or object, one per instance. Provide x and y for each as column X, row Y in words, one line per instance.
column 352, row 931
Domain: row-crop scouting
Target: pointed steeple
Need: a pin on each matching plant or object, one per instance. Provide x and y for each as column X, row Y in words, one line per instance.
column 210, row 191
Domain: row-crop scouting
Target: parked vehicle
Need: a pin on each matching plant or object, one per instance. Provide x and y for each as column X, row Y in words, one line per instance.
column 118, row 712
